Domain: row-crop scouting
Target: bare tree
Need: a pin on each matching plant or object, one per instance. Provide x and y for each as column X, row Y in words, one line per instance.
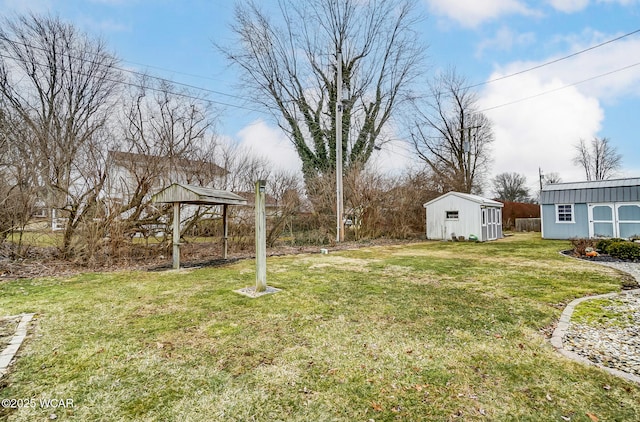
column 61, row 84
column 17, row 185
column 511, row 187
column 243, row 167
column 284, row 187
column 290, row 69
column 451, row 135
column 167, row 136
column 599, row 159
column 551, row 178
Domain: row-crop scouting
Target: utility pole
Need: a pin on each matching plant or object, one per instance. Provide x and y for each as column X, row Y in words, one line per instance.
column 541, row 176
column 339, row 185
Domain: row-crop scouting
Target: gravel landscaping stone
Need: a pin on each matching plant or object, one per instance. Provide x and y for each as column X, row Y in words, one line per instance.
column 617, row 346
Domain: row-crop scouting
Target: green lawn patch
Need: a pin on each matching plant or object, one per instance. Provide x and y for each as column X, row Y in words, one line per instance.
column 427, row 331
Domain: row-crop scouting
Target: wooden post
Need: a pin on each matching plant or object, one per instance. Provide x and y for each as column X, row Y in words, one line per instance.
column 176, row 235
column 261, row 237
column 225, row 231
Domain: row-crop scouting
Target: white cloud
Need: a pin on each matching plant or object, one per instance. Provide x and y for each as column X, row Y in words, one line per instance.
column 105, row 25
column 569, row 6
column 615, row 62
column 269, row 142
column 541, row 132
column 609, row 73
column 505, row 39
column 472, row 13
column 394, row 158
column 621, row 2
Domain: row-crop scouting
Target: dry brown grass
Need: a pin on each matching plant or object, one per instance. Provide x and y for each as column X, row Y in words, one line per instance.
column 381, row 333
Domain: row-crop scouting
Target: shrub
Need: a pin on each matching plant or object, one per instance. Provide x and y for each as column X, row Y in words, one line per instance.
column 603, row 244
column 581, row 244
column 625, row 250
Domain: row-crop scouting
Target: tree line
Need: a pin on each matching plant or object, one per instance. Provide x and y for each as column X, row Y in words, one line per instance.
column 69, row 115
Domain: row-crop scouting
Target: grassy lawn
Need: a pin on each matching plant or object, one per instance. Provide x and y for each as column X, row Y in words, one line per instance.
column 431, row 331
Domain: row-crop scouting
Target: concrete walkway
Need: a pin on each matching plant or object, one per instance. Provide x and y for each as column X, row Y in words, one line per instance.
column 9, row 352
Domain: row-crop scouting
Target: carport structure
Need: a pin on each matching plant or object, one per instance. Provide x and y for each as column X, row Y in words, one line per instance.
column 179, row 193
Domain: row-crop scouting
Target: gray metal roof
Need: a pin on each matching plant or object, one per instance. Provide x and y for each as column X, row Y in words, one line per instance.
column 469, row 197
column 617, row 190
column 197, row 195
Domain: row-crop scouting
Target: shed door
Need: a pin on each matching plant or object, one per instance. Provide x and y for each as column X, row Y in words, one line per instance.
column 485, row 217
column 494, row 223
column 491, row 222
column 628, row 216
column 602, row 221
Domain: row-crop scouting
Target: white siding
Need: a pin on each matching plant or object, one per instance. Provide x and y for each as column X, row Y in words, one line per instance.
column 469, row 218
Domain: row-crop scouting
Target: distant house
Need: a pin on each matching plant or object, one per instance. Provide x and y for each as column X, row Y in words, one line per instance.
column 606, row 208
column 132, row 178
column 271, row 204
column 129, row 171
column 462, row 214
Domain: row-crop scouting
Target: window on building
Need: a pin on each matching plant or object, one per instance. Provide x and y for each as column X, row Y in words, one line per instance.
column 40, row 212
column 452, row 215
column 564, row 213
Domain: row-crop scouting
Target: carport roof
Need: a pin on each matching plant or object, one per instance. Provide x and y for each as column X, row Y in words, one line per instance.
column 197, row 195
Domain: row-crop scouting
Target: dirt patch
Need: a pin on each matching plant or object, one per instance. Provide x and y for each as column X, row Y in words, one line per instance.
column 192, row 255
column 351, row 264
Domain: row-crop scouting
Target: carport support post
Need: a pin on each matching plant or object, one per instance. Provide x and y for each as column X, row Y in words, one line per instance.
column 176, row 235
column 225, row 231
column 261, row 237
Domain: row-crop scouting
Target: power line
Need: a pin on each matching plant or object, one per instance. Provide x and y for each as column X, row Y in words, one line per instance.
column 135, row 85
column 468, row 87
column 141, row 74
column 560, row 88
column 555, row 60
column 197, row 88
column 178, row 72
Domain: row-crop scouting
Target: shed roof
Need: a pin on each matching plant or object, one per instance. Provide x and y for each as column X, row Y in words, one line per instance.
column 197, row 195
column 469, row 197
column 616, row 190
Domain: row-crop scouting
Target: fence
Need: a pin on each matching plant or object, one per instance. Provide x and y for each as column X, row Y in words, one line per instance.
column 528, row 225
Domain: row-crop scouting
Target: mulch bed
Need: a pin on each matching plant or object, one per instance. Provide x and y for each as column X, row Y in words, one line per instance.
column 599, row 258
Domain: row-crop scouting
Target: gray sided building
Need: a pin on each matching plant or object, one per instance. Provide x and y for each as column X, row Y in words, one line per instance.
column 604, row 208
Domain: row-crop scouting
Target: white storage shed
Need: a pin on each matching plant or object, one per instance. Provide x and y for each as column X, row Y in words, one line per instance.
column 457, row 214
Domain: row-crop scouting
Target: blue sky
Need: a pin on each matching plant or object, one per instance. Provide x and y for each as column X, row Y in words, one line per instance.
column 483, row 39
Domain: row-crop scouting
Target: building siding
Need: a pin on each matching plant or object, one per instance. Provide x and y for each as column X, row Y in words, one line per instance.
column 469, row 220
column 583, row 194
column 554, row 230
